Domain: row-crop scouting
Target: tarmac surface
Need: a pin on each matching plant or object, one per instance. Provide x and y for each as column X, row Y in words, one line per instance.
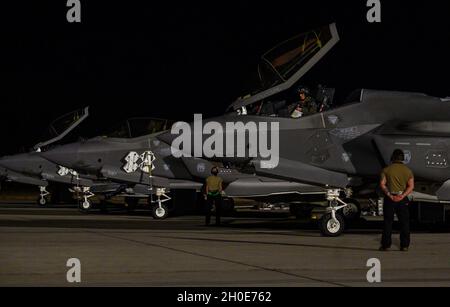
column 250, row 250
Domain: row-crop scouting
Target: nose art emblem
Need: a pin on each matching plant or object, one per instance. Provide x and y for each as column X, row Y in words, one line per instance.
column 144, row 162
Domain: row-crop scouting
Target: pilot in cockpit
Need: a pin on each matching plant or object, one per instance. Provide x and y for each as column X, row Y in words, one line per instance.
column 306, row 105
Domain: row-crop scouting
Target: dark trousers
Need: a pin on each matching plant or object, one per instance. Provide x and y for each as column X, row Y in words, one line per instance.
column 401, row 209
column 210, row 202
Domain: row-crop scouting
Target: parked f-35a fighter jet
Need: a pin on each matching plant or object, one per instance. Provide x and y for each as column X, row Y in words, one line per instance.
column 328, row 154
column 32, row 169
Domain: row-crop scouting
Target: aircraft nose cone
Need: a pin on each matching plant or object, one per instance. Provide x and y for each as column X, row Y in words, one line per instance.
column 65, row 155
column 14, row 163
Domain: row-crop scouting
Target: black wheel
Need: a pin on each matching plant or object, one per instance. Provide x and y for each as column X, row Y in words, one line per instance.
column 131, row 204
column 42, row 201
column 331, row 228
column 160, row 213
column 353, row 211
column 85, row 206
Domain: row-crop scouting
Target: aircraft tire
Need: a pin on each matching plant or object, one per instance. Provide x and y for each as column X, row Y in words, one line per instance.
column 353, row 211
column 42, row 202
column 329, row 228
column 160, row 213
column 85, row 206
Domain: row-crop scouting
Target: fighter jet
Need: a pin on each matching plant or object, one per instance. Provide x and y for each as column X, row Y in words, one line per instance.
column 328, row 154
column 30, row 168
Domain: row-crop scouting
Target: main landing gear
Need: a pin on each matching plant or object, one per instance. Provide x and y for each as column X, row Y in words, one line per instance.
column 160, row 210
column 83, row 194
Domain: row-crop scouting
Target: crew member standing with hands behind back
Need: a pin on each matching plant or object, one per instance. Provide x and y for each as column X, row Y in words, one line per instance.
column 397, row 183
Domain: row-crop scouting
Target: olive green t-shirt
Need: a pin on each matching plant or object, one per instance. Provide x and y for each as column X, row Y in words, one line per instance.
column 397, row 176
column 214, row 183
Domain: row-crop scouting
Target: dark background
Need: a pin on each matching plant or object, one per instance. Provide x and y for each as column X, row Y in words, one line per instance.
column 174, row 59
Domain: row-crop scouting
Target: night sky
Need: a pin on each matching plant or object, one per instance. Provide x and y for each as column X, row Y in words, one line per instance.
column 175, row 59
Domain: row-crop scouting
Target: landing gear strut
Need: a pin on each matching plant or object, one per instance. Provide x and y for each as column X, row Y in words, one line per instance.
column 42, row 200
column 332, row 224
column 84, row 204
column 160, row 210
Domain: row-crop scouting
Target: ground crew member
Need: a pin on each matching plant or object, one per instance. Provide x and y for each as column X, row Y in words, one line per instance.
column 213, row 195
column 397, row 183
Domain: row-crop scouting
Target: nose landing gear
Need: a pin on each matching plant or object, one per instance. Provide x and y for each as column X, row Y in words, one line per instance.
column 42, row 200
column 160, row 210
column 332, row 224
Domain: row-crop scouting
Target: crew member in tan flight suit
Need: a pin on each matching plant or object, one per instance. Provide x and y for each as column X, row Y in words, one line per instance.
column 213, row 195
column 397, row 183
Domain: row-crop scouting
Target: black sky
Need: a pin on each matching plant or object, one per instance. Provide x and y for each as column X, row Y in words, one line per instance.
column 173, row 59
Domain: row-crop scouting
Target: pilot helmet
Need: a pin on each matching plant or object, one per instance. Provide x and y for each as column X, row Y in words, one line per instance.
column 303, row 89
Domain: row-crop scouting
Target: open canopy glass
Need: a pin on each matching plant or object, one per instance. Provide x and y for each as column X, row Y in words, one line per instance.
column 284, row 65
column 62, row 126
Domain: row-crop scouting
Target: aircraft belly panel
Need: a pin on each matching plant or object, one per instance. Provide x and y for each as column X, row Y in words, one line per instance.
column 185, row 185
column 101, row 188
column 302, row 172
column 137, row 177
column 68, row 179
column 253, row 187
